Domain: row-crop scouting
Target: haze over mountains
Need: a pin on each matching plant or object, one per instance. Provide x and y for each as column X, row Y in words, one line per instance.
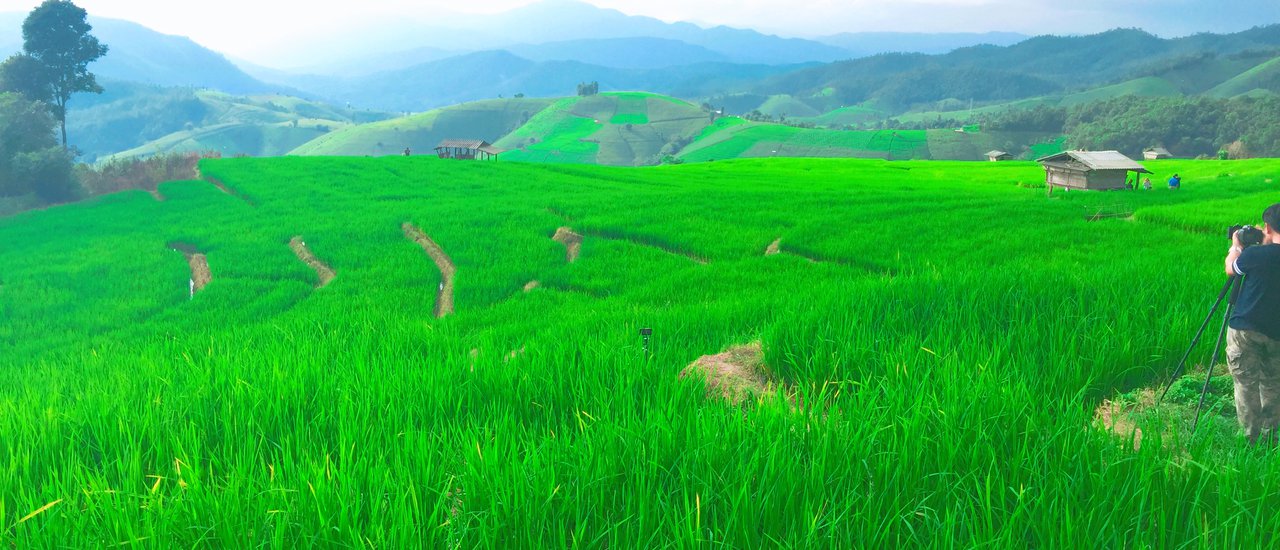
column 546, row 49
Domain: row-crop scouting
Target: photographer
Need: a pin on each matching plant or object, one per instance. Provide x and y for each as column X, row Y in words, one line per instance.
column 1253, row 340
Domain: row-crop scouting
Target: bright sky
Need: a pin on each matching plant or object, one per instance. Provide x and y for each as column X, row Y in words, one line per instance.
column 260, row 29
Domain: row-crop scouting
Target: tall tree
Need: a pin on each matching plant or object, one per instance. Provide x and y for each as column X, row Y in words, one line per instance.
column 56, row 35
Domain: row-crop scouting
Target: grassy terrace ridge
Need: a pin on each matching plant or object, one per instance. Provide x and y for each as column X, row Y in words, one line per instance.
column 488, row 120
column 940, row 333
column 734, row 137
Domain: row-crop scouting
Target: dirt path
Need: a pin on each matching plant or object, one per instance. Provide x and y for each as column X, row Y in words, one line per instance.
column 323, row 271
column 444, row 299
column 529, row 286
column 223, row 187
column 774, row 247
column 155, row 194
column 201, row 276
column 572, row 243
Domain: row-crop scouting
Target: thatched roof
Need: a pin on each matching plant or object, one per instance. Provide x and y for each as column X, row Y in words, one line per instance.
column 1088, row 161
column 463, row 144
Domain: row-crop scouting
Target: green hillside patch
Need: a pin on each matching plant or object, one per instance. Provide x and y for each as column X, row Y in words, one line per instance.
column 770, row 140
column 141, row 120
column 971, row 145
column 622, row 129
column 487, row 120
column 1265, row 77
column 568, row 141
column 234, row 139
column 846, row 116
column 1143, row 87
column 785, row 106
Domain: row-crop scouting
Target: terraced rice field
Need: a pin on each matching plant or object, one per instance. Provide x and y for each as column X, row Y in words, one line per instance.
column 934, row 340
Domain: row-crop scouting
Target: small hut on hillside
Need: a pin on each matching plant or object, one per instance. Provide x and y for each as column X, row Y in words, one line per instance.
column 997, row 156
column 1090, row 170
column 467, row 149
column 1156, row 153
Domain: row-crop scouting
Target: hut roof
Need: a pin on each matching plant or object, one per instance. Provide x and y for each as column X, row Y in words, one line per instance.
column 491, row 149
column 996, row 153
column 1093, row 160
column 1159, row 151
column 462, row 144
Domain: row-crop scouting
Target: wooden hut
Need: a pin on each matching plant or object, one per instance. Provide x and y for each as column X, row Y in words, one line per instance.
column 1090, row 170
column 998, row 156
column 1156, row 153
column 467, row 149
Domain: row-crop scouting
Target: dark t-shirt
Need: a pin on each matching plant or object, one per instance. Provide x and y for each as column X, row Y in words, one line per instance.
column 1258, row 307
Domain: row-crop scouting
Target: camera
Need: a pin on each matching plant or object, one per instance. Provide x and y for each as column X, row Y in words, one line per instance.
column 1249, row 235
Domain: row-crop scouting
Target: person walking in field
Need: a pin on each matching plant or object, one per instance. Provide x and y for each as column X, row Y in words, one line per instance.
column 1146, row 183
column 1175, row 182
column 1253, row 336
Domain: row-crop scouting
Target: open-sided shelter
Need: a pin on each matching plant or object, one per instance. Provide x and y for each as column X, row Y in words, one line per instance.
column 1156, row 153
column 1092, row 170
column 467, row 149
column 997, row 156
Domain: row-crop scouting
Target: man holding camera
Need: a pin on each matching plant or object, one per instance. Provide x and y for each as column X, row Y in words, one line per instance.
column 1253, row 339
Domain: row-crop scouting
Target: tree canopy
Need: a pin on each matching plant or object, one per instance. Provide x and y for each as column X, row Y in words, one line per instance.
column 56, row 36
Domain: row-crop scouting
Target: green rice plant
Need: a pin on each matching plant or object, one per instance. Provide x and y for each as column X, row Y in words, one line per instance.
column 941, row 339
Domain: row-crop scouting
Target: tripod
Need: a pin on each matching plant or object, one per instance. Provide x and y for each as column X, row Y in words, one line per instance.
column 1230, row 291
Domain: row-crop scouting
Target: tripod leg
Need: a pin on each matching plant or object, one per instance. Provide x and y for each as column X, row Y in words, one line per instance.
column 1217, row 349
column 1226, row 288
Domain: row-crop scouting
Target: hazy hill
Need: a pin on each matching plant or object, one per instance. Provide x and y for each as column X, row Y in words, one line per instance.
column 617, row 129
column 621, row 53
column 141, row 119
column 861, row 44
column 140, row 54
column 492, row 74
column 392, row 43
column 1037, row 66
column 489, row 120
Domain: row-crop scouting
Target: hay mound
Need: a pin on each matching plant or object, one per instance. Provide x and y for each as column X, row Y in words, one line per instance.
column 1118, row 418
column 571, row 241
column 774, row 248
column 735, row 375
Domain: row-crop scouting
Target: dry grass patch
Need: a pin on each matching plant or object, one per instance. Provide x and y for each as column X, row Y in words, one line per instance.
column 735, row 375
column 572, row 243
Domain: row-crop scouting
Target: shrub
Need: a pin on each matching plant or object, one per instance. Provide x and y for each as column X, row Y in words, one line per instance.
column 140, row 173
column 49, row 173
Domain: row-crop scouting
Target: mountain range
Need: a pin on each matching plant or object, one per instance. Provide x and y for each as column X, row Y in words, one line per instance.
column 548, row 49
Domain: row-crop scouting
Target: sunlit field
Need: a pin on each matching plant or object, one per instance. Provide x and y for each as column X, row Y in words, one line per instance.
column 939, row 336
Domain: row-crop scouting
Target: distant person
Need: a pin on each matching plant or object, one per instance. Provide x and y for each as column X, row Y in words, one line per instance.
column 1253, row 339
column 1175, row 182
column 406, row 151
column 1146, row 183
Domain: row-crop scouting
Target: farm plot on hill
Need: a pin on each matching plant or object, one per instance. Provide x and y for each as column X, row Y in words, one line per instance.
column 615, row 129
column 753, row 140
column 920, row 361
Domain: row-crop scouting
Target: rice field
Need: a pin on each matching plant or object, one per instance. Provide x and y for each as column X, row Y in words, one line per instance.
column 939, row 336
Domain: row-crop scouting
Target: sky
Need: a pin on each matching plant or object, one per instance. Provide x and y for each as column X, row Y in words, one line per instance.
column 257, row 30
